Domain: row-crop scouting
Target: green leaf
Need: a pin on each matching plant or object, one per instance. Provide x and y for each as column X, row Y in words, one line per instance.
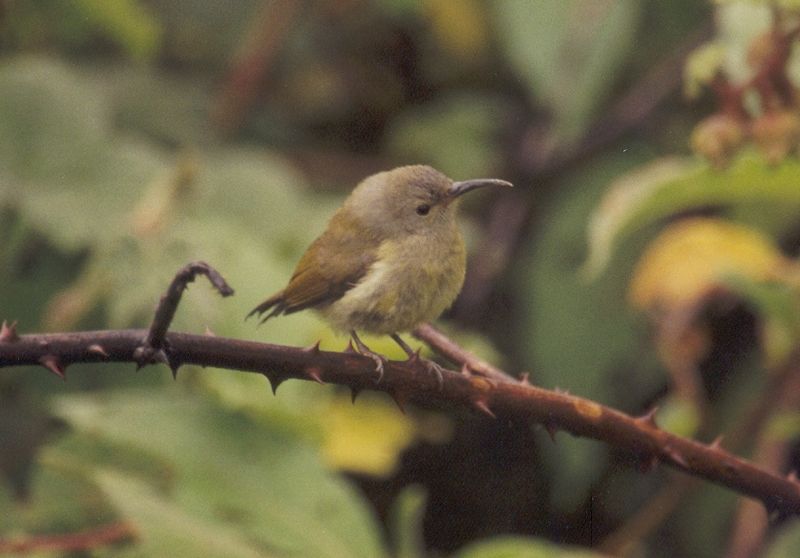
column 519, row 547
column 562, row 315
column 232, row 471
column 58, row 161
column 786, row 543
column 165, row 529
column 567, row 64
column 406, row 520
column 750, row 191
column 568, row 352
column 127, row 22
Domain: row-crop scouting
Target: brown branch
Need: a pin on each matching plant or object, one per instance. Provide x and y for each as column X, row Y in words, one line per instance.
column 443, row 345
column 489, row 390
column 70, row 542
column 515, row 401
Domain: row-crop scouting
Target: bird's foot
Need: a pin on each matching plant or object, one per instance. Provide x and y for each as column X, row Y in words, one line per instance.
column 435, row 369
column 367, row 352
column 413, row 358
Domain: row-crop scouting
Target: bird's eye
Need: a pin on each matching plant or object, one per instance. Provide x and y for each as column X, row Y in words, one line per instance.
column 423, row 209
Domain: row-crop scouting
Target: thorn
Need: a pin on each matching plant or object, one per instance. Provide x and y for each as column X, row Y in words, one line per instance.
column 792, row 476
column 353, row 394
column 560, row 391
column 209, row 333
column 677, row 458
column 436, row 370
column 465, row 371
column 314, row 374
column 717, row 443
column 649, row 417
column 97, row 349
column 414, row 357
column 8, row 332
column 398, row 398
column 274, row 381
column 350, row 348
column 524, row 378
column 173, row 367
column 481, row 405
column 313, row 349
column 54, row 365
column 552, row 429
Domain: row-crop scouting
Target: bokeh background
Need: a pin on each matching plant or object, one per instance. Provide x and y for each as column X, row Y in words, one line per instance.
column 626, row 267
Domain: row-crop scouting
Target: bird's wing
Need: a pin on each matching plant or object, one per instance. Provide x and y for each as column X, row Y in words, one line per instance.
column 332, row 265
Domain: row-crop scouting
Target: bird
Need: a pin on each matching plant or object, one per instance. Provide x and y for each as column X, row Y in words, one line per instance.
column 391, row 257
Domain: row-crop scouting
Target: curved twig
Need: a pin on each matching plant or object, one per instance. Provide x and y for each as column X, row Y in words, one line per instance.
column 152, row 349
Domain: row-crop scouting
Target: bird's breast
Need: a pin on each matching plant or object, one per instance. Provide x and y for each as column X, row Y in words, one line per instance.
column 411, row 281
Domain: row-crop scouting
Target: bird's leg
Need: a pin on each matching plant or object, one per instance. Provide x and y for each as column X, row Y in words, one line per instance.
column 364, row 350
column 413, row 355
column 403, row 345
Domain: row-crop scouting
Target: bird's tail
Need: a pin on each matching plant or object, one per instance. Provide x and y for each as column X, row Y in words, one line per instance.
column 276, row 304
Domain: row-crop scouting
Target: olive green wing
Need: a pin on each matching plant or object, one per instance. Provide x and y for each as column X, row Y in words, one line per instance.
column 333, row 264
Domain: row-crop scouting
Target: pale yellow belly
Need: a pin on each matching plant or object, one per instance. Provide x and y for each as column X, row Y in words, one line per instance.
column 406, row 286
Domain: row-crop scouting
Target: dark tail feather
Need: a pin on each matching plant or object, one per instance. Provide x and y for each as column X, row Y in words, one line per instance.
column 276, row 302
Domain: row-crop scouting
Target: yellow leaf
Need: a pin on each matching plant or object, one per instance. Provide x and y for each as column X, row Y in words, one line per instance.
column 693, row 256
column 367, row 437
column 459, row 26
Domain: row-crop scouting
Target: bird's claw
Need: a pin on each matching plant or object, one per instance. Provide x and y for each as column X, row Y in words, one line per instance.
column 379, row 368
column 436, row 369
column 431, row 366
column 367, row 352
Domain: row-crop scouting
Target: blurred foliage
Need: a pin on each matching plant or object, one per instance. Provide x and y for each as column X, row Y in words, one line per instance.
column 136, row 136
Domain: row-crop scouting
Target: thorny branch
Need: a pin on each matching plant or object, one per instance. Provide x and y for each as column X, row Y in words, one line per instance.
column 515, row 401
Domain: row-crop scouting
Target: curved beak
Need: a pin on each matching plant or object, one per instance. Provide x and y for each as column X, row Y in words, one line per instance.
column 464, row 186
